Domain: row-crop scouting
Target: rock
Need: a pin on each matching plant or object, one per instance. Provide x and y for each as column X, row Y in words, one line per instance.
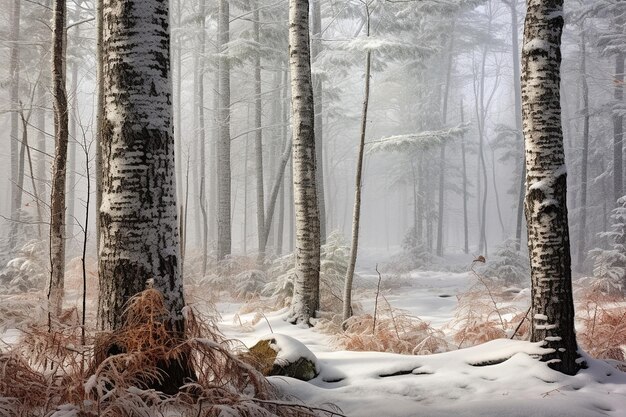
column 278, row 354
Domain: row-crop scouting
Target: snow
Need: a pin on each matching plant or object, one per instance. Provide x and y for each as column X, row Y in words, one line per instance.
column 499, row 378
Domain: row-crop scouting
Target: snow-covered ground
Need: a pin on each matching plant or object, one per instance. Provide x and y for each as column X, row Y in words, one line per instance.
column 499, row 378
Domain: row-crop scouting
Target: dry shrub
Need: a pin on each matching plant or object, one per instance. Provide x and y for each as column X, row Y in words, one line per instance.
column 603, row 315
column 480, row 313
column 128, row 363
column 392, row 330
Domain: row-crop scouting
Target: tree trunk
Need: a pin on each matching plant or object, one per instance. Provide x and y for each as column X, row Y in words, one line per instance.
column 305, row 301
column 552, row 315
column 582, row 224
column 356, row 215
column 271, row 205
column 14, row 73
column 223, row 144
column 57, row 206
column 140, row 235
column 517, row 89
column 316, row 48
column 465, row 194
column 73, row 141
column 258, row 136
column 40, row 117
column 618, row 130
column 200, row 130
column 178, row 54
column 442, row 155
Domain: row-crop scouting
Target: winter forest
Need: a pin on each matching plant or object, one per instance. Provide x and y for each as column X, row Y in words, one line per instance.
column 312, row 208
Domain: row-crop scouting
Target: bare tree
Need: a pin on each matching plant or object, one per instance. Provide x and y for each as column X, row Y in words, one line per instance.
column 552, row 315
column 305, row 299
column 61, row 135
column 356, row 214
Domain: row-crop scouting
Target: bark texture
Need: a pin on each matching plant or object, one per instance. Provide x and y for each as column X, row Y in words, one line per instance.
column 138, row 215
column 305, row 299
column 61, row 134
column 552, row 315
column 223, row 144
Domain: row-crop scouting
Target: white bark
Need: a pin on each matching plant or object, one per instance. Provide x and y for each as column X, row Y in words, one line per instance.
column 305, row 299
column 552, row 313
column 139, row 227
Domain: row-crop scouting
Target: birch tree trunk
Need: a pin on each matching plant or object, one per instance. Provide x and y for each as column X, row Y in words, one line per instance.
column 552, row 315
column 223, row 144
column 139, row 226
column 57, row 205
column 14, row 72
column 305, row 299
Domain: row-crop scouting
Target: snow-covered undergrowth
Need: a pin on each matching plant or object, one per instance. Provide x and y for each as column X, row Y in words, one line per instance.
column 421, row 314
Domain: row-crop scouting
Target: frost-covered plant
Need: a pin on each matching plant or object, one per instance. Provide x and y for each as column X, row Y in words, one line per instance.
column 610, row 264
column 27, row 270
column 507, row 264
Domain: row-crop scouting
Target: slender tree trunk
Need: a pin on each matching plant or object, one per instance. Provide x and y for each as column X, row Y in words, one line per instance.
column 73, row 117
column 271, row 204
column 258, row 135
column 200, row 132
column 33, row 182
column 57, row 206
column 244, row 239
column 442, row 155
column 14, row 73
column 356, row 215
column 582, row 224
column 465, row 194
column 517, row 89
column 552, row 315
column 618, row 130
column 40, row 117
column 223, row 145
column 316, row 48
column 305, row 301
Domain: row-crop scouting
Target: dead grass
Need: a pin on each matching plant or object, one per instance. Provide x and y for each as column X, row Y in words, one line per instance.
column 481, row 313
column 48, row 371
column 392, row 330
column 602, row 311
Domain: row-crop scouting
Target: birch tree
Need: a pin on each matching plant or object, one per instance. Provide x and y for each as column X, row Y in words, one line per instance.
column 552, row 315
column 138, row 215
column 305, row 299
column 61, row 135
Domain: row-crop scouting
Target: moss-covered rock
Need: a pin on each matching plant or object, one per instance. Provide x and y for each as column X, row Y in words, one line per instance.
column 278, row 354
